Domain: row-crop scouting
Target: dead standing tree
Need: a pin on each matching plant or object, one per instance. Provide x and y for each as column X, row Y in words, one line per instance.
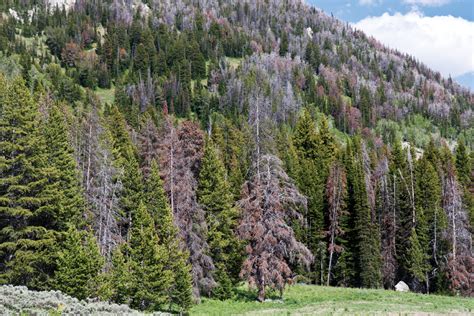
column 100, row 178
column 180, row 152
column 386, row 192
column 336, row 193
column 460, row 261
column 268, row 201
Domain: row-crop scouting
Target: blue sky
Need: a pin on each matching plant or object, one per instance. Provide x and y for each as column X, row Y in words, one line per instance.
column 356, row 10
column 440, row 33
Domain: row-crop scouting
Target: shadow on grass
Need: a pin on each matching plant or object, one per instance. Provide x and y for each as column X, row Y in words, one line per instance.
column 245, row 295
column 249, row 295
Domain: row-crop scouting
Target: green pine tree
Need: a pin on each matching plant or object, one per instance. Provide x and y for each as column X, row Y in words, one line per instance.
column 311, row 184
column 198, row 63
column 215, row 197
column 119, row 282
column 365, row 106
column 401, row 186
column 60, row 155
column 431, row 219
column 182, row 290
column 346, row 266
column 417, row 258
column 148, row 259
column 463, row 164
column 141, row 59
column 125, row 158
column 305, row 137
column 366, row 231
column 30, row 195
column 167, row 232
column 315, row 150
column 326, row 145
column 79, row 263
column 464, row 167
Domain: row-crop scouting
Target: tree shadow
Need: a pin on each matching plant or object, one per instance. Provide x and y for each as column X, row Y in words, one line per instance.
column 245, row 295
column 249, row 295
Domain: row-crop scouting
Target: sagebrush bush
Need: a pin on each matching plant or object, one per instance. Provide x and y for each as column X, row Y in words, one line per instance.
column 15, row 300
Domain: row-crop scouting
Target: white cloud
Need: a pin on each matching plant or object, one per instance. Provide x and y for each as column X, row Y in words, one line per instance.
column 368, row 2
column 427, row 3
column 444, row 43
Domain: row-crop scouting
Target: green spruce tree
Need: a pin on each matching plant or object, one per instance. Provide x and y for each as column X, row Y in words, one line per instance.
column 150, row 279
column 32, row 217
column 79, row 263
column 215, row 197
column 119, row 283
column 464, row 167
column 60, row 154
column 125, row 158
column 305, row 140
column 417, row 258
column 182, row 290
column 179, row 293
column 431, row 219
column 366, row 230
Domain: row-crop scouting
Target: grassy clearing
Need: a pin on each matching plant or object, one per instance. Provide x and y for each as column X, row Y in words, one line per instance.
column 234, row 62
column 320, row 300
column 38, row 42
column 106, row 95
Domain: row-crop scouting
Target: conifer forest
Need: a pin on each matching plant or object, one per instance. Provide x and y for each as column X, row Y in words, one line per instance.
column 154, row 153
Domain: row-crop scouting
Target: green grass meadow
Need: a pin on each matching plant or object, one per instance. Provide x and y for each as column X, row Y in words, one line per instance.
column 321, row 300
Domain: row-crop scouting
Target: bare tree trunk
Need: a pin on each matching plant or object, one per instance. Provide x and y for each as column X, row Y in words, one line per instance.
column 411, row 197
column 261, row 288
column 331, row 252
column 435, row 241
column 89, row 154
column 427, row 283
column 412, row 193
column 172, row 175
column 321, row 266
column 453, row 220
column 394, row 213
column 257, row 123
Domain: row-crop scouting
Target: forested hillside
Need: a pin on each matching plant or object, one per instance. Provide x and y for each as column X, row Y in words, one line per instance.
column 155, row 152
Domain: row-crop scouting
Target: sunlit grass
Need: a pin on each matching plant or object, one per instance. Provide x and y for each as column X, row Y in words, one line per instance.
column 106, row 95
column 234, row 62
column 321, row 300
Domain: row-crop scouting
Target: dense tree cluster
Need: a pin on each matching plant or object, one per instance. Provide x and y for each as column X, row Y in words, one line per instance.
column 155, row 152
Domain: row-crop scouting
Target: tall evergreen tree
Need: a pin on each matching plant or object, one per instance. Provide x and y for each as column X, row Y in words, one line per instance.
column 417, row 258
column 311, row 185
column 182, row 291
column 60, row 154
column 365, row 106
column 367, row 250
column 198, row 63
column 179, row 293
column 430, row 220
column 141, row 60
column 31, row 215
column 400, row 175
column 464, row 167
column 119, row 278
column 215, row 198
column 315, row 150
column 150, row 279
column 125, row 157
column 79, row 263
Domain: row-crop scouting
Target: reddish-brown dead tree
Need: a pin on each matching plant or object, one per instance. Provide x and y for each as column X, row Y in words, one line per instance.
column 180, row 152
column 268, row 202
